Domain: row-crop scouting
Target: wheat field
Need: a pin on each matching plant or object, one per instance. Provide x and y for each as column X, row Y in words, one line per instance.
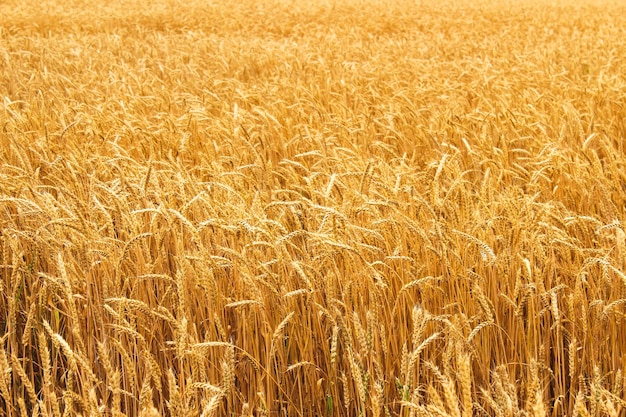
column 342, row 208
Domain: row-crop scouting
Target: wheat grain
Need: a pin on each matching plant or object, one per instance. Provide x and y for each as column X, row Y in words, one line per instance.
column 465, row 379
column 177, row 192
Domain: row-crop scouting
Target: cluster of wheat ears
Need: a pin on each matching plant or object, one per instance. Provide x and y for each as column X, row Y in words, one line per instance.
column 343, row 208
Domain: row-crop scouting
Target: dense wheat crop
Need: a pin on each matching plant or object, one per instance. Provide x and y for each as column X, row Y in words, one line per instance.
column 345, row 208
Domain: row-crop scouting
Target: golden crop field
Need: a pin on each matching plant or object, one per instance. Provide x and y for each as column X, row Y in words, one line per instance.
column 331, row 208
